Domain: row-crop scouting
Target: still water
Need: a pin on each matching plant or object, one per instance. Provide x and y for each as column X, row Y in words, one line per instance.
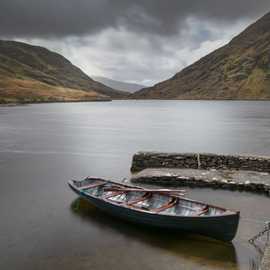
column 44, row 226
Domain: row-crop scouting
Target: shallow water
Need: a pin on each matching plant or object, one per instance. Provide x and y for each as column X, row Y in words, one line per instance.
column 43, row 224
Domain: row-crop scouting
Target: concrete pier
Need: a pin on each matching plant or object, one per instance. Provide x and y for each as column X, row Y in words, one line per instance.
column 203, row 170
column 256, row 182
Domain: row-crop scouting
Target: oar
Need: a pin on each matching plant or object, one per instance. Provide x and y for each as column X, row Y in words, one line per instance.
column 145, row 189
column 179, row 192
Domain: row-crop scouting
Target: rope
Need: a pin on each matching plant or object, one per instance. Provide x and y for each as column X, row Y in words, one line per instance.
column 266, row 230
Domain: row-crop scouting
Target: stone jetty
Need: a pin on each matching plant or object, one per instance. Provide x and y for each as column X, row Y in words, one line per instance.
column 245, row 173
column 143, row 160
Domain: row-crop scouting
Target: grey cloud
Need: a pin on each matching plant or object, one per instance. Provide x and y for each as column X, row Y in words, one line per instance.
column 143, row 58
column 39, row 18
column 143, row 41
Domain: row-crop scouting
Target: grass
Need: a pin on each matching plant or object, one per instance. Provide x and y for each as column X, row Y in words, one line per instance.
column 31, row 91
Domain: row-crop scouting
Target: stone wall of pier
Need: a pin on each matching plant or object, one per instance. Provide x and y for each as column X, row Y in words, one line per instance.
column 144, row 160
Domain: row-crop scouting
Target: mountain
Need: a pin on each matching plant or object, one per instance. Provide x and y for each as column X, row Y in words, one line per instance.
column 124, row 86
column 34, row 74
column 239, row 70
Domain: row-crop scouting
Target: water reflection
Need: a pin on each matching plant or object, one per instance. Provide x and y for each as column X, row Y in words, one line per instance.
column 209, row 252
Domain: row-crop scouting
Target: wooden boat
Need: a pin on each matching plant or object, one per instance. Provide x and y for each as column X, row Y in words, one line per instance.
column 160, row 208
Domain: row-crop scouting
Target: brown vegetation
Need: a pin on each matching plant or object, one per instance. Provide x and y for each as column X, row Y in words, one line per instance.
column 31, row 91
column 28, row 72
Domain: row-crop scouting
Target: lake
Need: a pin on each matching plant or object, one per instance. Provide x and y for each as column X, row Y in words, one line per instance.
column 43, row 224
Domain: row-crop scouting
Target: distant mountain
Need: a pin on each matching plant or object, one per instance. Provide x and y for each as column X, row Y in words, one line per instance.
column 35, row 74
column 124, row 86
column 239, row 70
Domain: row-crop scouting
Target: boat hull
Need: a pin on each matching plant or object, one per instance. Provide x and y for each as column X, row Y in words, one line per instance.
column 222, row 228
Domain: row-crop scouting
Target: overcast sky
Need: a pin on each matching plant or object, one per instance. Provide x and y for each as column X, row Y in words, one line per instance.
column 142, row 41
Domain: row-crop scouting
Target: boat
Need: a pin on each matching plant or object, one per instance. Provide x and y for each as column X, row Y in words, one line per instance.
column 163, row 208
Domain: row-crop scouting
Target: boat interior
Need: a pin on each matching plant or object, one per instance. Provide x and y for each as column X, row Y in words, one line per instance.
column 151, row 201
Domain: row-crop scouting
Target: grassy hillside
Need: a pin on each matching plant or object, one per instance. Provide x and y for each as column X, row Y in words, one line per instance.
column 24, row 66
column 239, row 70
column 31, row 91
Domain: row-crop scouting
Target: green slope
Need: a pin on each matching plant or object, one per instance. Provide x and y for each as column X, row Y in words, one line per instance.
column 239, row 70
column 20, row 61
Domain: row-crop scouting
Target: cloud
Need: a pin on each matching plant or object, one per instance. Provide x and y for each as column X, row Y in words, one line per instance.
column 143, row 41
column 142, row 58
column 38, row 18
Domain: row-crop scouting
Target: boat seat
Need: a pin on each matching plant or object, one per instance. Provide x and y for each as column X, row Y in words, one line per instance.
column 202, row 211
column 170, row 204
column 108, row 197
column 146, row 196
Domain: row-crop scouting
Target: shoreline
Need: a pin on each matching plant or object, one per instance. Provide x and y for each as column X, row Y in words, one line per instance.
column 14, row 104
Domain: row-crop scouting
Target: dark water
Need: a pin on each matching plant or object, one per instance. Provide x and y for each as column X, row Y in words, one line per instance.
column 44, row 226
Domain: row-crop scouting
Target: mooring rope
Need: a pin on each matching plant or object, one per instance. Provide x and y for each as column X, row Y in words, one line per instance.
column 266, row 231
